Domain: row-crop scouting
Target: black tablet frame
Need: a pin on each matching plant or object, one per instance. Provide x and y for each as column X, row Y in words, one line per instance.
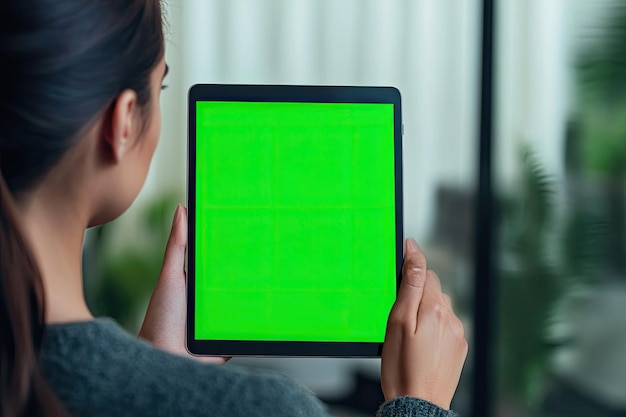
column 284, row 93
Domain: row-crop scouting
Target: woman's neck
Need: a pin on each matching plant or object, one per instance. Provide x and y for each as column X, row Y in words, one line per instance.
column 54, row 229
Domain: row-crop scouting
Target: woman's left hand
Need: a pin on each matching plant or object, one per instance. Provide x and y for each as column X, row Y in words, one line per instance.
column 165, row 321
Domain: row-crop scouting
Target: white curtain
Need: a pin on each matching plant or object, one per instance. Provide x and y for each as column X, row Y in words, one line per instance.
column 429, row 49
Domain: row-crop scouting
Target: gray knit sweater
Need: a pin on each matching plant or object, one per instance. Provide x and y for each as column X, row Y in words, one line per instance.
column 97, row 369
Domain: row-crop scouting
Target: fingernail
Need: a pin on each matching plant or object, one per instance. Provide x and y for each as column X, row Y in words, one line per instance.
column 411, row 246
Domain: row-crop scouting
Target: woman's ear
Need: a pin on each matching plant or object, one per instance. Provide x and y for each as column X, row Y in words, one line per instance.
column 119, row 125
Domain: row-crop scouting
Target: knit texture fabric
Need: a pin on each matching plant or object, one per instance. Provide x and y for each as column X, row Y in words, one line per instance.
column 98, row 370
column 412, row 407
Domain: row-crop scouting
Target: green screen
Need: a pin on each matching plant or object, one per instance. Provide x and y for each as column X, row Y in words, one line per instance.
column 295, row 221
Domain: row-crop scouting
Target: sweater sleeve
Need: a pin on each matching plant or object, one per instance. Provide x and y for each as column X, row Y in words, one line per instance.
column 412, row 407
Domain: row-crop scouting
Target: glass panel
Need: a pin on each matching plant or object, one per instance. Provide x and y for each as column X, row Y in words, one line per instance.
column 560, row 169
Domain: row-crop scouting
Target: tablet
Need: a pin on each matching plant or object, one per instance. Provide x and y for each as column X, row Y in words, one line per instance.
column 295, row 219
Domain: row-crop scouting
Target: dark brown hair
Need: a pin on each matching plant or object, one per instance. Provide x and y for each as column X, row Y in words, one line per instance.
column 62, row 63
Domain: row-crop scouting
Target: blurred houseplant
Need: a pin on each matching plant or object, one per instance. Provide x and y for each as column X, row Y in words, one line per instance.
column 601, row 121
column 530, row 281
column 548, row 249
column 541, row 259
column 119, row 282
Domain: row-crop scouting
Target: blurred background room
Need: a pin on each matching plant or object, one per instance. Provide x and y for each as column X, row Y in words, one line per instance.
column 556, row 141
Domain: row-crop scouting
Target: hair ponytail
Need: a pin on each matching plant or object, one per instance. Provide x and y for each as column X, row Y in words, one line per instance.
column 62, row 64
column 22, row 388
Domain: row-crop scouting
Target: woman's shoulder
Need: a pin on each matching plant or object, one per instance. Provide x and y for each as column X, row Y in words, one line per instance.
column 96, row 368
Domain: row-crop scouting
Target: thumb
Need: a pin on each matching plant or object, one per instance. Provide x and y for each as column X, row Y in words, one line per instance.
column 174, row 259
column 413, row 278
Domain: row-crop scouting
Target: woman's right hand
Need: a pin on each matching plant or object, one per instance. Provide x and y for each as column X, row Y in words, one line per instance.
column 425, row 346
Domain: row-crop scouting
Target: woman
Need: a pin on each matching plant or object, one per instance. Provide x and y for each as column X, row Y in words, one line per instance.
column 79, row 122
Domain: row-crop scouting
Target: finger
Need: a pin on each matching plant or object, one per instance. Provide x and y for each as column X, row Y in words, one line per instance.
column 174, row 260
column 447, row 300
column 413, row 278
column 435, row 282
column 218, row 360
column 432, row 289
column 432, row 299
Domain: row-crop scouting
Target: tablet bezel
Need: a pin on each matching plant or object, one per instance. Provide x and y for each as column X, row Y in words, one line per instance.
column 284, row 93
